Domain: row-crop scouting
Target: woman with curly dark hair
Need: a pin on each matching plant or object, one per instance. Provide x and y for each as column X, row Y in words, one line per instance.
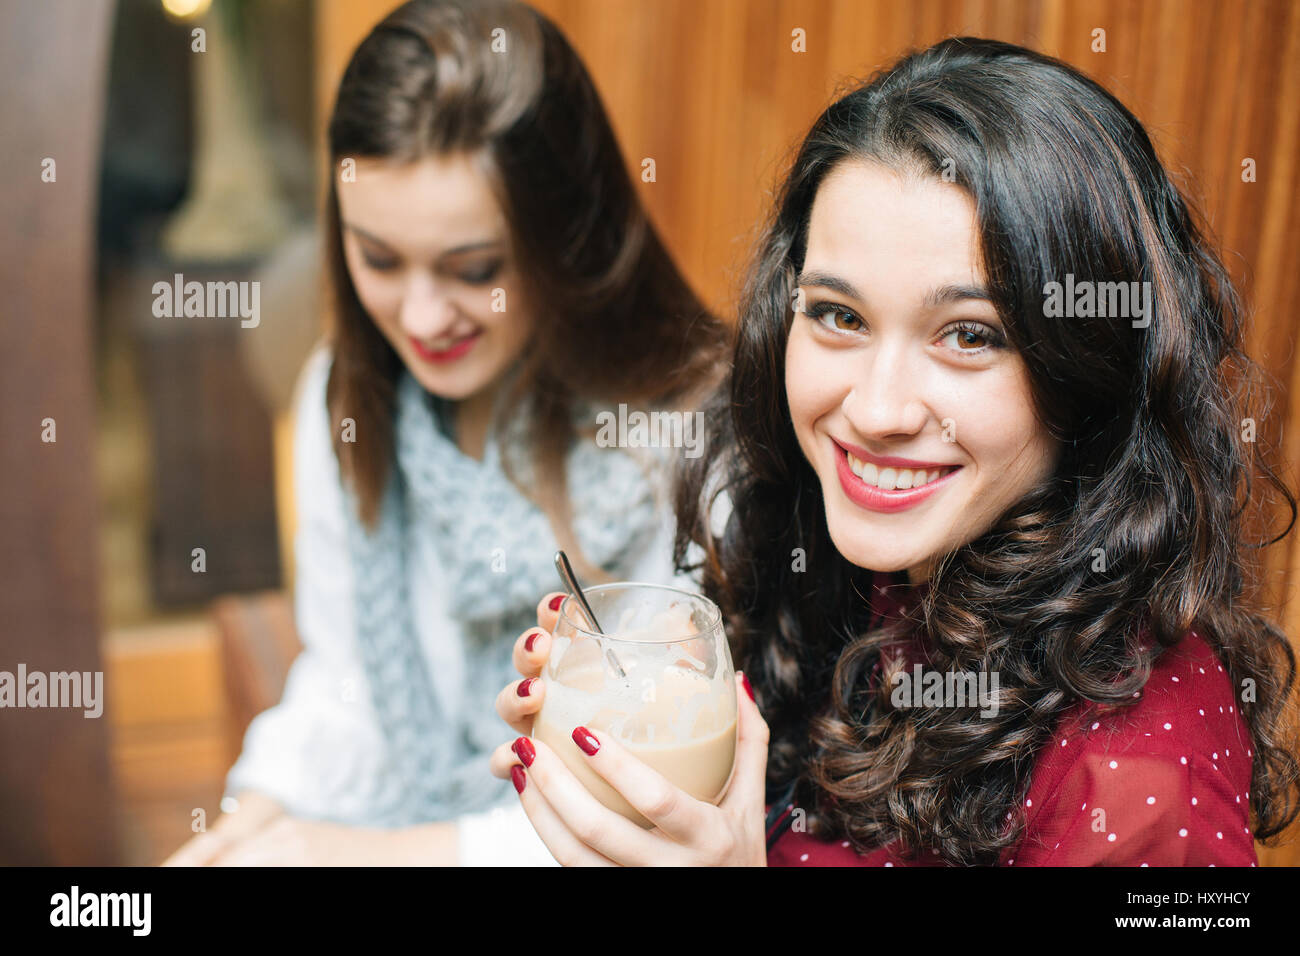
column 984, row 432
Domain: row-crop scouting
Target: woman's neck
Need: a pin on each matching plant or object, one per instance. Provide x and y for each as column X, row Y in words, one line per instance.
column 473, row 417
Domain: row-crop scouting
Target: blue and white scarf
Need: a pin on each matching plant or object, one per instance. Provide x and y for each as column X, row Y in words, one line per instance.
column 496, row 551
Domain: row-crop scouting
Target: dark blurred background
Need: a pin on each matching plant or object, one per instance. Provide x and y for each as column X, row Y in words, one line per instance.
column 173, row 433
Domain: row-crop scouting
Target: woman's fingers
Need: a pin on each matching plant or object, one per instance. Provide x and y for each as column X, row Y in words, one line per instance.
column 531, row 650
column 548, row 610
column 251, row 853
column 268, row 847
column 201, row 850
column 674, row 811
column 567, row 849
column 251, row 812
column 502, row 760
column 749, row 782
column 519, row 701
column 579, row 813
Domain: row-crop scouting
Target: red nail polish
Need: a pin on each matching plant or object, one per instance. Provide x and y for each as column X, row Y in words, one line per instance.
column 523, row 748
column 518, row 778
column 583, row 738
column 532, row 639
column 525, row 687
column 556, row 602
column 744, row 679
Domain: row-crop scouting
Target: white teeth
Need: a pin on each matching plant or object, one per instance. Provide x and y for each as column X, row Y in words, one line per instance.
column 893, row 479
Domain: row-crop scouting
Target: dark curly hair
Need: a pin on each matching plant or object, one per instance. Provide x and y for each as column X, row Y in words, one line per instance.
column 1153, row 470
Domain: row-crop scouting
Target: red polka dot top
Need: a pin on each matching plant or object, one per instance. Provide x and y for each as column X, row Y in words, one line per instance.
column 1163, row 783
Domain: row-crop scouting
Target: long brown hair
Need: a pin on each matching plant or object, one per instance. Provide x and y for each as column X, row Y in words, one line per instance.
column 614, row 319
column 1154, row 470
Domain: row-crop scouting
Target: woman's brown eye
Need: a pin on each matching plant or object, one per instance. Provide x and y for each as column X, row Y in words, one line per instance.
column 841, row 319
column 972, row 338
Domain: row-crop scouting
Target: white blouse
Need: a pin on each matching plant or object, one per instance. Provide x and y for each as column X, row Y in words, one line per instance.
column 318, row 750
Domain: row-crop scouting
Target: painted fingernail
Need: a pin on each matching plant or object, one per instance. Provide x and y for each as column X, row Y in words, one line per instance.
column 744, row 679
column 525, row 686
column 556, row 602
column 582, row 737
column 532, row 639
column 518, row 778
column 523, row 748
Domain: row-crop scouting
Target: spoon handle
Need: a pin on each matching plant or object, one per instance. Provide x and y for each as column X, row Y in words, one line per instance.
column 571, row 582
column 566, row 574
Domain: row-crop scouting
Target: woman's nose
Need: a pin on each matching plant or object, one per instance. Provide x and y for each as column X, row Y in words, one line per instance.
column 885, row 398
column 427, row 310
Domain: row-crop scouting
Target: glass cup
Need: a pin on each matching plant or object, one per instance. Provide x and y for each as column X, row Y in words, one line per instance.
column 674, row 705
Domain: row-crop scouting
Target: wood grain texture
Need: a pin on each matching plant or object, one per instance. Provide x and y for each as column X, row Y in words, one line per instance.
column 48, row 505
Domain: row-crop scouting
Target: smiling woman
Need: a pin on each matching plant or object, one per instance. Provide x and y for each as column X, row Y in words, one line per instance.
column 900, row 349
column 429, row 253
column 917, row 464
column 928, row 464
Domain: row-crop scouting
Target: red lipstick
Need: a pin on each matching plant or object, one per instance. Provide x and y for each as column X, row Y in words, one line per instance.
column 878, row 499
column 445, row 355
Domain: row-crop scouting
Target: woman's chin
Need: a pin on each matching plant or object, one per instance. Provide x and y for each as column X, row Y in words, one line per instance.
column 868, row 554
column 451, row 383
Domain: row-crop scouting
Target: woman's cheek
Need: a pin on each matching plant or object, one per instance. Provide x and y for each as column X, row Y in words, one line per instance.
column 382, row 301
column 1006, row 440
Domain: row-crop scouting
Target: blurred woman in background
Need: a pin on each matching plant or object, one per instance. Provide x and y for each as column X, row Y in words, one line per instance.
column 497, row 285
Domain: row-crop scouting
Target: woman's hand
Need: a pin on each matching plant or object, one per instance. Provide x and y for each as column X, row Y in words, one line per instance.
column 260, row 833
column 289, row 841
column 518, row 702
column 255, row 812
column 579, row 830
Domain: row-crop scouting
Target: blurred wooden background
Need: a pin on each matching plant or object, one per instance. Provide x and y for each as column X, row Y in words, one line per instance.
column 712, row 90
column 57, row 801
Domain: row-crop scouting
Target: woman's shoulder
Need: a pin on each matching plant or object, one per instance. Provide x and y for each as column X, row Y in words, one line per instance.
column 317, row 483
column 1167, row 777
column 310, row 405
column 309, row 392
column 1188, row 701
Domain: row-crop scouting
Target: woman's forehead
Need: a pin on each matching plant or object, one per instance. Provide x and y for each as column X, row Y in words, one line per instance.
column 430, row 206
column 883, row 234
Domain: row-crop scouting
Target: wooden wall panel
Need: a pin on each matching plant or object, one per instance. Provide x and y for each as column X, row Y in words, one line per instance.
column 712, row 91
column 57, row 799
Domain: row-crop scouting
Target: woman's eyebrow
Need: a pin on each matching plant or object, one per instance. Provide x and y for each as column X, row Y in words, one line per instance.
column 828, row 281
column 939, row 296
column 479, row 246
column 365, row 235
column 946, row 294
column 471, row 247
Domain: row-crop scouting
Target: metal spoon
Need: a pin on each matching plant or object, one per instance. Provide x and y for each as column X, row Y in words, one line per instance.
column 570, row 580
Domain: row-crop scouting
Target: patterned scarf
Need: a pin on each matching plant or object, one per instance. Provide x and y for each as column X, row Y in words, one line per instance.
column 496, row 551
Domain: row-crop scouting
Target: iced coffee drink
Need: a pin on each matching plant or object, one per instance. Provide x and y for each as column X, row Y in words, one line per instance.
column 660, row 680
